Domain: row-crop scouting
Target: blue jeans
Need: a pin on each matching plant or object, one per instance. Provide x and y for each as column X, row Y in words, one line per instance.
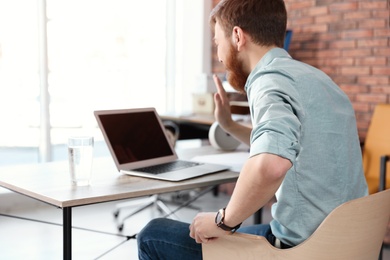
column 170, row 239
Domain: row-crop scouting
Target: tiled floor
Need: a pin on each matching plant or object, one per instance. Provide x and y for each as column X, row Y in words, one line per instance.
column 95, row 233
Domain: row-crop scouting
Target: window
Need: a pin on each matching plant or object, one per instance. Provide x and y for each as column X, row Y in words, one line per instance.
column 19, row 82
column 102, row 54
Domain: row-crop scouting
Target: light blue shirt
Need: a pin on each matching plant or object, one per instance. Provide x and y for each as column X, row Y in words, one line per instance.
column 300, row 114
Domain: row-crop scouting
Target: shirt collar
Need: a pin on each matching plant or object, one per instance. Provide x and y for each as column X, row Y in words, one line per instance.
column 265, row 60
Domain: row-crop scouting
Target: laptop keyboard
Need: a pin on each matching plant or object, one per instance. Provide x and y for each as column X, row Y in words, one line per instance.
column 167, row 167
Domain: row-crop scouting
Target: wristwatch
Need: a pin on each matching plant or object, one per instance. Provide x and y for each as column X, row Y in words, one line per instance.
column 220, row 217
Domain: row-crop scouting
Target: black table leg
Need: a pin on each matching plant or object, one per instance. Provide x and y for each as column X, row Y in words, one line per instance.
column 67, row 232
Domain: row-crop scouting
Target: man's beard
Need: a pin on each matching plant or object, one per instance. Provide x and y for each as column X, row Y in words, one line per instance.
column 236, row 75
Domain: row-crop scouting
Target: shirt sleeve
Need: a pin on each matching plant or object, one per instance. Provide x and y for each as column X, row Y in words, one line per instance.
column 276, row 116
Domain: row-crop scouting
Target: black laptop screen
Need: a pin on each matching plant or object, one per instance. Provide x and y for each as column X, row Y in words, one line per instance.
column 135, row 136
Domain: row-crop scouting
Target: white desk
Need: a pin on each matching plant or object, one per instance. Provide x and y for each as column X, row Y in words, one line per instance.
column 50, row 183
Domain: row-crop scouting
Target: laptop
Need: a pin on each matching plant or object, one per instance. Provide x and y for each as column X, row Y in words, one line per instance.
column 139, row 145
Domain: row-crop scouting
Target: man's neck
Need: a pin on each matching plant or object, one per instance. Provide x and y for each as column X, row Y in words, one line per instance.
column 256, row 53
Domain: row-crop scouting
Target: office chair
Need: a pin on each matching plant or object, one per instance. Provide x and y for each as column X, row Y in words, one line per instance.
column 156, row 201
column 354, row 230
column 377, row 145
column 287, row 39
column 376, row 150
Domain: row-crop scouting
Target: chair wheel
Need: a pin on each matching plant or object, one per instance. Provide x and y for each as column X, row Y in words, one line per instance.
column 116, row 213
column 120, row 227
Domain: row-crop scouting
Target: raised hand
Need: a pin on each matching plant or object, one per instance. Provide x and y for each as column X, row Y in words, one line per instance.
column 222, row 107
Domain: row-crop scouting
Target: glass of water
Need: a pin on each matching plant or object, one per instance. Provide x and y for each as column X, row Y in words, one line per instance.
column 80, row 154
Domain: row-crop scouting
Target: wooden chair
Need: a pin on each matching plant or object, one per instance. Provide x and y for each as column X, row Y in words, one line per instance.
column 376, row 151
column 376, row 146
column 354, row 230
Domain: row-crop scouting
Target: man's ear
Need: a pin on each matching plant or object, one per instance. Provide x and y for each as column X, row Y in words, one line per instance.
column 238, row 37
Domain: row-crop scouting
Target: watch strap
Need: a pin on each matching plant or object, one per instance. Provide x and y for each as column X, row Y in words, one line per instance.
column 220, row 223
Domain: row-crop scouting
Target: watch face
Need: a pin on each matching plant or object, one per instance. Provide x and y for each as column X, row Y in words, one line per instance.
column 218, row 218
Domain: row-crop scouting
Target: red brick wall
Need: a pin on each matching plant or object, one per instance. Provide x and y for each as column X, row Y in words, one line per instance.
column 350, row 41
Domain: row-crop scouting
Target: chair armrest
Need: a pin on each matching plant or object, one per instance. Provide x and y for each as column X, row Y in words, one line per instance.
column 237, row 246
column 382, row 180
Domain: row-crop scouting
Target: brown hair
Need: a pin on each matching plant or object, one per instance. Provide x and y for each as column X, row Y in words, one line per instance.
column 264, row 20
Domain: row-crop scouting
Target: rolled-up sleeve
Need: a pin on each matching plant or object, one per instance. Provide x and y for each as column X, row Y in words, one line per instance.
column 275, row 117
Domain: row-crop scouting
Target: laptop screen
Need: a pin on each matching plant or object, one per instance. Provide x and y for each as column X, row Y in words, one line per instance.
column 135, row 136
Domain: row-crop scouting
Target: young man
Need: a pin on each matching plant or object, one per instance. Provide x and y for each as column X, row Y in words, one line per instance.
column 304, row 146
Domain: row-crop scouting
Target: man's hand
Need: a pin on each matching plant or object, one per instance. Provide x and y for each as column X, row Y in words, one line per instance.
column 222, row 106
column 203, row 228
column 224, row 116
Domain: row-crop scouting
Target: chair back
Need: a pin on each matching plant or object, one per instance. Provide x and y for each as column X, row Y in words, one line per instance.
column 287, row 39
column 377, row 144
column 354, row 230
